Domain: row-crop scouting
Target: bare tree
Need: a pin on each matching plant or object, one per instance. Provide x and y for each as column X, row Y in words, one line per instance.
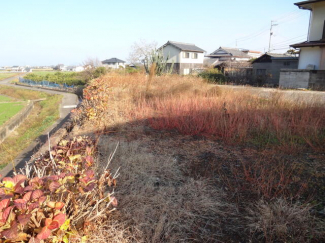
column 90, row 65
column 140, row 50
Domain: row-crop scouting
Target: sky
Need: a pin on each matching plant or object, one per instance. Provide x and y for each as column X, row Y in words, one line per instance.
column 47, row 32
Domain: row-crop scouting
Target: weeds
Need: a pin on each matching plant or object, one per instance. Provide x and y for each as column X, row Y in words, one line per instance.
column 176, row 188
column 283, row 221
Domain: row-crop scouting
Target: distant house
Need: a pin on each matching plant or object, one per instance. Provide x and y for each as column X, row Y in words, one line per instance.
column 61, row 67
column 75, row 68
column 114, row 63
column 232, row 54
column 78, row 69
column 233, row 62
column 266, row 69
column 15, row 68
column 229, row 54
column 311, row 68
column 184, row 57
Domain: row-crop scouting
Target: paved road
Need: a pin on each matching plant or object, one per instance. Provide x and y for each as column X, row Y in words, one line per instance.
column 291, row 95
column 68, row 102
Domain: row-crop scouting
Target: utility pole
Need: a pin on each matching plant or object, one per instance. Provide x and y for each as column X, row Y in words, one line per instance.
column 271, row 33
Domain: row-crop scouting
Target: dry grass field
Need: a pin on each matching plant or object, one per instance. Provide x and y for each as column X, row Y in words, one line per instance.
column 199, row 163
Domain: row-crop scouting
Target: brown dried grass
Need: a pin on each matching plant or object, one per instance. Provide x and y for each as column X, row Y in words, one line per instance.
column 284, row 221
column 158, row 203
column 158, row 200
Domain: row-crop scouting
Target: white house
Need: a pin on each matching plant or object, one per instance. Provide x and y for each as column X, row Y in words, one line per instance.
column 233, row 54
column 184, row 57
column 114, row 63
column 312, row 51
column 78, row 69
column 311, row 66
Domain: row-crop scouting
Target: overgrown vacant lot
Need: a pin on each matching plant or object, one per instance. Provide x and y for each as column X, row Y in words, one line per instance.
column 198, row 163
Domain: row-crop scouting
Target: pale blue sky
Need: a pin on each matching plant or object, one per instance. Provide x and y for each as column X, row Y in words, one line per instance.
column 44, row 32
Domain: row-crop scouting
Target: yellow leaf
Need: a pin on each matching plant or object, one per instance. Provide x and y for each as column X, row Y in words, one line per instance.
column 9, row 184
column 66, row 225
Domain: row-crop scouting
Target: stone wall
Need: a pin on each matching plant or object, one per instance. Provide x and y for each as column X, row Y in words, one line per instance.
column 294, row 79
column 317, row 79
column 15, row 121
column 302, row 78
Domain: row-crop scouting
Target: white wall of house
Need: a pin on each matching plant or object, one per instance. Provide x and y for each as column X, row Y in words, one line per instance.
column 200, row 57
column 172, row 52
column 242, row 59
column 254, row 54
column 115, row 65
column 317, row 21
column 78, row 69
column 309, row 55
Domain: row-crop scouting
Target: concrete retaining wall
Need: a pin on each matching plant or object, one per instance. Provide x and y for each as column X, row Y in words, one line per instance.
column 317, row 79
column 15, row 121
column 301, row 78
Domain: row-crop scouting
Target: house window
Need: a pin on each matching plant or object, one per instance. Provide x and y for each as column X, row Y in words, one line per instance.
column 286, row 63
column 194, row 55
column 261, row 72
column 186, row 55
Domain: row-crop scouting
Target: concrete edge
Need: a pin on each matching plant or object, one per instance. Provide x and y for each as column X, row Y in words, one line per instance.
column 15, row 121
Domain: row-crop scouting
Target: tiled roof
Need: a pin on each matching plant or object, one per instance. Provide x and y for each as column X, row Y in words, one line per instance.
column 235, row 52
column 184, row 46
column 276, row 56
column 307, row 4
column 309, row 44
column 113, row 60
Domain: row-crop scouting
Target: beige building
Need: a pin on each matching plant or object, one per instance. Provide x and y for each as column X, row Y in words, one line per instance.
column 311, row 67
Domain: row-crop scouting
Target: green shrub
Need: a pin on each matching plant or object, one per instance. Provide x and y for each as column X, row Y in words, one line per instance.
column 99, row 72
column 213, row 76
column 69, row 78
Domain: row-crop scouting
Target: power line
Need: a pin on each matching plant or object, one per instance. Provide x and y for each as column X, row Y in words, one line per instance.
column 281, row 43
column 293, row 18
column 291, row 39
column 286, row 15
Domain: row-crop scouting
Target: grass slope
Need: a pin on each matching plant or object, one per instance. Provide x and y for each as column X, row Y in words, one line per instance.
column 5, row 98
column 7, row 75
column 8, row 110
column 44, row 114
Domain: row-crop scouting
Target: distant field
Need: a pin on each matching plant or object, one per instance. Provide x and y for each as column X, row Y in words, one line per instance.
column 7, row 75
column 8, row 110
column 44, row 73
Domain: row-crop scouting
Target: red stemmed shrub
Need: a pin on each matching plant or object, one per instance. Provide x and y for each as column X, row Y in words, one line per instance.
column 57, row 196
